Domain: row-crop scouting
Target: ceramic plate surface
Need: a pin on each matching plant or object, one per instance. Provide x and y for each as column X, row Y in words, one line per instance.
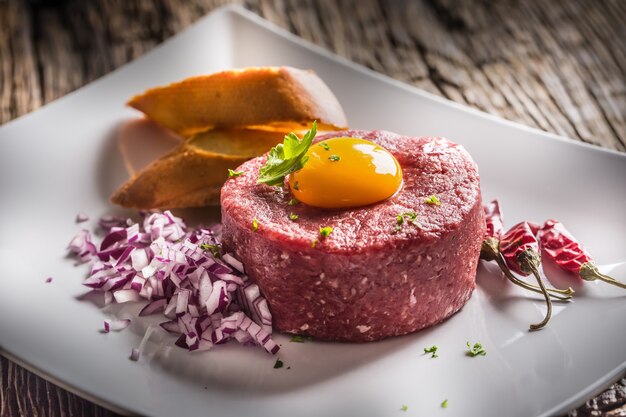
column 62, row 160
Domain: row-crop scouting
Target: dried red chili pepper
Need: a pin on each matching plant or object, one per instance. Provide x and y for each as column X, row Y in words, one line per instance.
column 561, row 246
column 520, row 249
column 494, row 227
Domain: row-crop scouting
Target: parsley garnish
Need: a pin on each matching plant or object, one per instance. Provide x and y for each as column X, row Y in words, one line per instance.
column 293, row 217
column 325, row 231
column 233, row 174
column 293, row 202
column 444, row 404
column 475, row 350
column 334, row 158
column 324, row 145
column 404, row 407
column 255, row 225
column 432, row 200
column 296, row 186
column 215, row 249
column 410, row 216
column 432, row 350
column 297, row 339
column 278, row 364
column 286, row 157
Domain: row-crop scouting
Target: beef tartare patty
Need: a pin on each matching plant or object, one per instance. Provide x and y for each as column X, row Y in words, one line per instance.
column 371, row 277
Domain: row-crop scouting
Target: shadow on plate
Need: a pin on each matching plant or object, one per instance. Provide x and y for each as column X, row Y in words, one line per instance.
column 130, row 147
column 235, row 369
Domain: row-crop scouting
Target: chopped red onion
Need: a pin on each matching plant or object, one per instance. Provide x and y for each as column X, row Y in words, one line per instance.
column 208, row 299
column 125, row 296
column 48, row 280
column 136, row 353
column 153, row 307
column 81, row 217
column 232, row 261
column 116, row 325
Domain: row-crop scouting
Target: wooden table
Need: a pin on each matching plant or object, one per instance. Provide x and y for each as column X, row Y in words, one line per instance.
column 556, row 65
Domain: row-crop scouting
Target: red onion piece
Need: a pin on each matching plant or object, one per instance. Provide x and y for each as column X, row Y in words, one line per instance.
column 208, row 299
column 116, row 325
column 81, row 217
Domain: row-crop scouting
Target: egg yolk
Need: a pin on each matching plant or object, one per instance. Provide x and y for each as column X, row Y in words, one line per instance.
column 346, row 172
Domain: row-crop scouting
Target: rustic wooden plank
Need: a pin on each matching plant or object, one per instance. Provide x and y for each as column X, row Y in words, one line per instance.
column 20, row 91
column 555, row 65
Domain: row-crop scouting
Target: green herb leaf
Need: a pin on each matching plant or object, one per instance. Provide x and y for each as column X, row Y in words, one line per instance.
column 409, row 216
column 297, row 339
column 278, row 364
column 444, row 404
column 255, row 225
column 432, row 350
column 293, row 202
column 286, row 157
column 296, row 186
column 233, row 174
column 404, row 407
column 325, row 231
column 215, row 249
column 293, row 217
column 334, row 158
column 475, row 350
column 324, row 145
column 432, row 200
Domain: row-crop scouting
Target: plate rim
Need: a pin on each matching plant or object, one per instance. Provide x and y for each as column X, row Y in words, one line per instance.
column 232, row 9
column 66, row 385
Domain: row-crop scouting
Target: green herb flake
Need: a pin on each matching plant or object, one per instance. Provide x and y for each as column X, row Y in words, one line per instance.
column 233, row 173
column 432, row 200
column 334, row 158
column 475, row 350
column 297, row 339
column 432, row 350
column 293, row 217
column 255, row 225
column 293, row 202
column 444, row 404
column 296, row 186
column 278, row 364
column 407, row 216
column 286, row 157
column 325, row 231
column 404, row 407
column 324, row 145
column 215, row 249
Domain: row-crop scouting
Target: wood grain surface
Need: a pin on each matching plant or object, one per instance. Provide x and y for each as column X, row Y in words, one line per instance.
column 556, row 65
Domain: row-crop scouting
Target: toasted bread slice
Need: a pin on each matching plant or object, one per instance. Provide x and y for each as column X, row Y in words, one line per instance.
column 192, row 174
column 280, row 98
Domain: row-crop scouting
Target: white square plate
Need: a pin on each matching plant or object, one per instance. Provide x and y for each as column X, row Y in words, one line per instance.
column 61, row 160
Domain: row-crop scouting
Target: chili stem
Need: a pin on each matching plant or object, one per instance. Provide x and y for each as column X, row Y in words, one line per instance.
column 546, row 319
column 561, row 295
column 589, row 272
column 610, row 280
